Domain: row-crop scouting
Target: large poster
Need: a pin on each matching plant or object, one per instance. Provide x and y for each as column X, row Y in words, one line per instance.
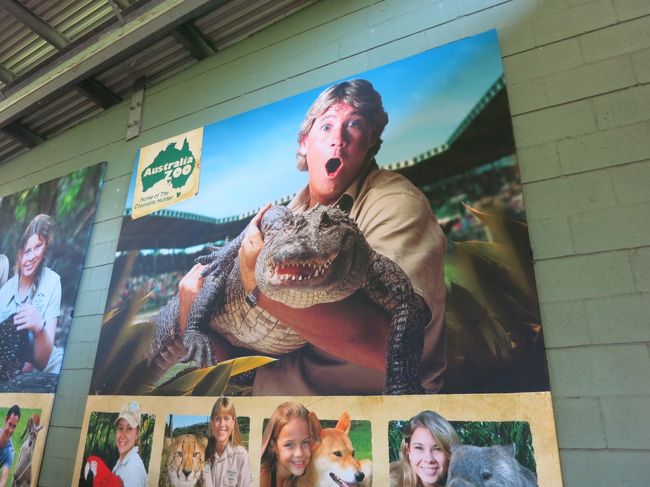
column 390, row 277
column 43, row 244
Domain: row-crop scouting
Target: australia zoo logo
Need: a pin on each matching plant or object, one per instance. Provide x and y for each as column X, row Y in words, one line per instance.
column 172, row 164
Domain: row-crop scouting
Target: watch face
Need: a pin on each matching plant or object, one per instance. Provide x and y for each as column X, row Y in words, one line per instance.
column 251, row 297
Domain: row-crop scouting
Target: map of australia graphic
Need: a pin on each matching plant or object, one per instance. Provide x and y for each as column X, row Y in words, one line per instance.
column 172, row 165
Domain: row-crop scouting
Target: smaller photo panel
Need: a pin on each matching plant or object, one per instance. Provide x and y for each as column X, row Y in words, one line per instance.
column 18, row 438
column 118, row 447
column 210, row 450
column 429, row 450
column 297, row 445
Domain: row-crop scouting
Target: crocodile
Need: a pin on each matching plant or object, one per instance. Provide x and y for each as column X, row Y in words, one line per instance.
column 317, row 256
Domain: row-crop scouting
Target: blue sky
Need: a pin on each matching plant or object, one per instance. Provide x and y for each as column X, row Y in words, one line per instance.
column 249, row 159
column 182, row 420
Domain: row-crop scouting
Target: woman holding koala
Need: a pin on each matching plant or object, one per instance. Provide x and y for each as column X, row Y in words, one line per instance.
column 425, row 452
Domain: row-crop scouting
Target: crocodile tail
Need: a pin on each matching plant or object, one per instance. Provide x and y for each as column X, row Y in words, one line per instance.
column 404, row 350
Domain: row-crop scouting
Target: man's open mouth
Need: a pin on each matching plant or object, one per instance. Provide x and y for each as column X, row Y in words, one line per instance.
column 333, row 165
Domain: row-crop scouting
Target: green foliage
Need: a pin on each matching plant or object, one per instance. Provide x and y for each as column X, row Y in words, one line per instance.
column 494, row 333
column 100, row 439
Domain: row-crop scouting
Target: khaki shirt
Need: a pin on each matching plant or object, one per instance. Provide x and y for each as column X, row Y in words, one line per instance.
column 396, row 219
column 228, row 470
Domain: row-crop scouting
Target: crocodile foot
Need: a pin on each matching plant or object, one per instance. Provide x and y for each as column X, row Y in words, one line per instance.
column 199, row 349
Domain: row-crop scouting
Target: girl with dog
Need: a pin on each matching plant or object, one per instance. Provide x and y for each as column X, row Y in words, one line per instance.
column 33, row 295
column 424, row 452
column 226, row 458
column 286, row 445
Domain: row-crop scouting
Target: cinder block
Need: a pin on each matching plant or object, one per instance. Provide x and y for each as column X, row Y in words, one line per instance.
column 612, row 147
column 516, row 37
column 85, row 329
column 79, row 355
column 90, row 302
column 623, row 108
column 611, row 228
column 619, row 319
column 384, row 11
column 543, row 61
column 590, row 80
column 616, row 40
column 620, row 468
column 68, row 411
column 626, row 422
column 584, row 276
column 550, row 237
column 569, row 195
column 538, row 162
column 631, row 9
column 427, row 17
column 96, row 278
column 564, row 324
column 527, row 96
column 101, row 254
column 55, row 471
column 631, row 182
column 574, row 21
column 364, row 39
column 640, row 261
column 554, row 123
column 63, row 437
column 579, row 423
column 599, row 371
column 113, row 198
column 641, row 63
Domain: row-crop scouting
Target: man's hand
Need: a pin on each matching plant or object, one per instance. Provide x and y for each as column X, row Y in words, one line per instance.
column 250, row 249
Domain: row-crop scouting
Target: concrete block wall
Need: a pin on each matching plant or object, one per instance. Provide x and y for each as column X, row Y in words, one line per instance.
column 578, row 76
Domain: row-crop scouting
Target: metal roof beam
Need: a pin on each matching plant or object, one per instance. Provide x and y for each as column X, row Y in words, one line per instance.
column 192, row 39
column 6, row 76
column 35, row 23
column 23, row 135
column 141, row 28
column 98, row 93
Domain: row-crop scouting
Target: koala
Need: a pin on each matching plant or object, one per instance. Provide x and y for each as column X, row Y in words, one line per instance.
column 491, row 466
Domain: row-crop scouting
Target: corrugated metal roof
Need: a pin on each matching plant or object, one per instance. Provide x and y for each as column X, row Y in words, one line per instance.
column 39, row 36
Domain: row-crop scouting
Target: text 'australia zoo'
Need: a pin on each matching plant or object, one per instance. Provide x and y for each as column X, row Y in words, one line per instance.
column 172, row 165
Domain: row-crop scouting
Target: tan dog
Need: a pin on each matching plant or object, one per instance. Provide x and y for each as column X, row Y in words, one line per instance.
column 332, row 461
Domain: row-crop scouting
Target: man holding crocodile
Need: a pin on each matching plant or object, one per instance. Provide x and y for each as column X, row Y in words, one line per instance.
column 346, row 350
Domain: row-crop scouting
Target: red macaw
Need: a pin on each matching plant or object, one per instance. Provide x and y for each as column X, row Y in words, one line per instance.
column 102, row 476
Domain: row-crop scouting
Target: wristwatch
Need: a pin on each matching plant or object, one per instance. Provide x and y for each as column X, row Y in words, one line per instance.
column 252, row 296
